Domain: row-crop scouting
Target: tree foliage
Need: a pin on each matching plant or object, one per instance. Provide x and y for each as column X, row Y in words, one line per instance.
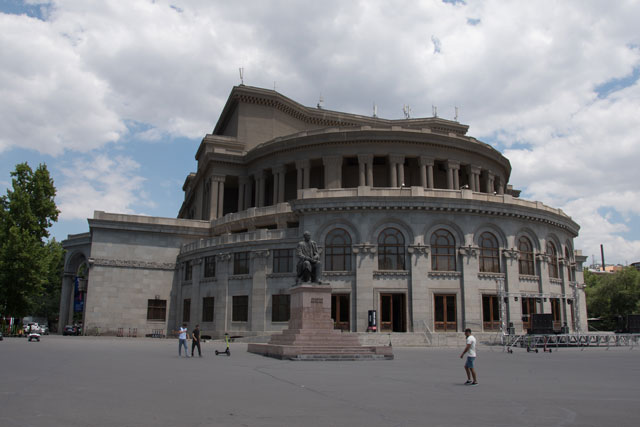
column 613, row 295
column 28, row 263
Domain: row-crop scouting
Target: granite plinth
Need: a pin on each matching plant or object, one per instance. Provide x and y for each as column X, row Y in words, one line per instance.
column 310, row 334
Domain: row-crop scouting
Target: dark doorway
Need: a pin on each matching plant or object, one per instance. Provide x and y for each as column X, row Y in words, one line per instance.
column 393, row 310
column 340, row 311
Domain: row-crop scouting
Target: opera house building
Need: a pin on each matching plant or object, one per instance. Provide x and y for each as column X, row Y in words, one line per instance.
column 415, row 220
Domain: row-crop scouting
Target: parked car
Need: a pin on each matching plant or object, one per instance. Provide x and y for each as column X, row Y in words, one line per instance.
column 44, row 329
column 71, row 330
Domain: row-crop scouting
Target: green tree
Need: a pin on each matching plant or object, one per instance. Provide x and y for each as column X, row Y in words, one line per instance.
column 27, row 260
column 614, row 295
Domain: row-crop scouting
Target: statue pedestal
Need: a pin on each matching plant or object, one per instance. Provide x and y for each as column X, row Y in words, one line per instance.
column 310, row 335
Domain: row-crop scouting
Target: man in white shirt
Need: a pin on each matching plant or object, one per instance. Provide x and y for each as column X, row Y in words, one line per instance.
column 182, row 340
column 470, row 349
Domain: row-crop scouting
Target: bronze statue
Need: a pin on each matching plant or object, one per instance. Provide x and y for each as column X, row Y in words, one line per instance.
column 308, row 268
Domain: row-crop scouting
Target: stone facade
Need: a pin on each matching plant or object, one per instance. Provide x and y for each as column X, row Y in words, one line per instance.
column 415, row 219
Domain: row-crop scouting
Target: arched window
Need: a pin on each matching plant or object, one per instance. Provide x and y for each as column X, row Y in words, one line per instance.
column 337, row 251
column 443, row 251
column 567, row 261
column 390, row 250
column 489, row 253
column 553, row 260
column 525, row 263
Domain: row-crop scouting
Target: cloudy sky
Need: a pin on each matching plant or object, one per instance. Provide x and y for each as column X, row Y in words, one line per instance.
column 115, row 96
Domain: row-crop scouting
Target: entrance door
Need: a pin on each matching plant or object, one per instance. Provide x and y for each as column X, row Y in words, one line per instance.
column 555, row 310
column 490, row 313
column 340, row 311
column 529, row 307
column 445, row 313
column 393, row 311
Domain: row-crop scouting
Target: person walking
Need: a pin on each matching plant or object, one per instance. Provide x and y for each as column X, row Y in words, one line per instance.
column 470, row 350
column 195, row 340
column 182, row 340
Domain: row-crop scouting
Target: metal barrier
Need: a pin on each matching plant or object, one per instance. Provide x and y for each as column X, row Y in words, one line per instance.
column 582, row 341
column 157, row 333
column 133, row 332
column 120, row 332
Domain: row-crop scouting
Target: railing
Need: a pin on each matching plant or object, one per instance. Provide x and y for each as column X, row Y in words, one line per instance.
column 428, row 333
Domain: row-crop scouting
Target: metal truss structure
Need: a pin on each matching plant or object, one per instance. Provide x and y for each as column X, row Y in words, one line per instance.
column 550, row 342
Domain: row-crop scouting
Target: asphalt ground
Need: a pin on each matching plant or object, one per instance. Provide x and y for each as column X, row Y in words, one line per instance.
column 104, row 381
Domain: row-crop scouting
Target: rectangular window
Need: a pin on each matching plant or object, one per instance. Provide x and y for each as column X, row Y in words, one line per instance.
column 187, row 270
column 157, row 310
column 490, row 313
column 186, row 310
column 207, row 309
column 240, row 311
column 282, row 260
column 280, row 308
column 241, row 263
column 210, row 266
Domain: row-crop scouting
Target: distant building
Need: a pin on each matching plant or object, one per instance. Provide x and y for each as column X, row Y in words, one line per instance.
column 635, row 265
column 415, row 220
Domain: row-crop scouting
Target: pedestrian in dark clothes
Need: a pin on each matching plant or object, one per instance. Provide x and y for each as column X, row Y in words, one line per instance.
column 195, row 336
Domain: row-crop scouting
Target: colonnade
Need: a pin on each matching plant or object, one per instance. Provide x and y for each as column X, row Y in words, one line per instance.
column 252, row 188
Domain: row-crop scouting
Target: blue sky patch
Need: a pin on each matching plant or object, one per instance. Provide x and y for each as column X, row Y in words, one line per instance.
column 18, row 7
column 607, row 88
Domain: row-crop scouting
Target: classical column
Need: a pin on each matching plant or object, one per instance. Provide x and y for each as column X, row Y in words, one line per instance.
column 362, row 170
column 393, row 174
column 474, row 177
column 332, row 171
column 221, row 197
column 396, row 162
column 500, row 185
column 453, row 177
column 490, row 187
column 216, row 196
column 426, row 171
column 365, row 162
column 278, row 183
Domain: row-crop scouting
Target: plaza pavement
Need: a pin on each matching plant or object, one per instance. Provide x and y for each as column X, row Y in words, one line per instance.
column 105, row 381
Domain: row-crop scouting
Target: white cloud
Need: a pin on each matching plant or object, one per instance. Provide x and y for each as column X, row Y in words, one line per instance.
column 524, row 75
column 101, row 183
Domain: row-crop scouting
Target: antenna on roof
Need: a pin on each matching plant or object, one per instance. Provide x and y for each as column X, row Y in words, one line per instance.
column 320, row 102
column 274, row 85
column 375, row 110
column 456, row 116
column 241, row 69
column 434, row 110
column 407, row 111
